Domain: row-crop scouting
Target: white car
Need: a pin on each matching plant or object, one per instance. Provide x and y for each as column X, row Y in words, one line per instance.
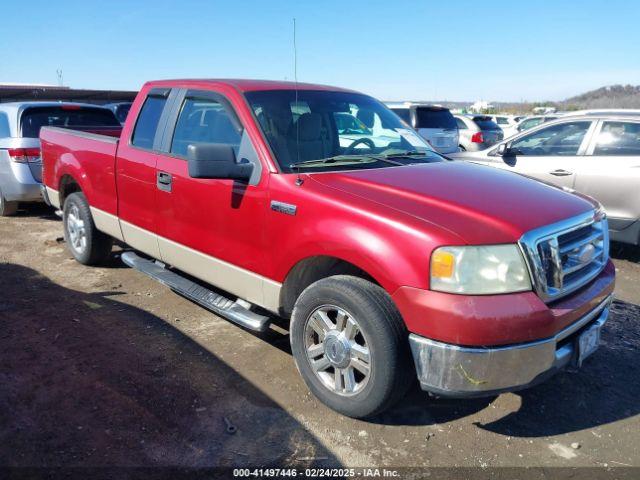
column 504, row 121
column 527, row 123
column 434, row 123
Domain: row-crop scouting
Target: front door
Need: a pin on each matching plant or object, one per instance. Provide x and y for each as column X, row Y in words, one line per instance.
column 211, row 228
column 551, row 154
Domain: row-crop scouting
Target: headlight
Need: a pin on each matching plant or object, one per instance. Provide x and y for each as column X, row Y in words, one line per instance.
column 479, row 270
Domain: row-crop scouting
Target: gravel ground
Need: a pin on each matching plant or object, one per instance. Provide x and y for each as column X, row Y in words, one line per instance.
column 104, row 367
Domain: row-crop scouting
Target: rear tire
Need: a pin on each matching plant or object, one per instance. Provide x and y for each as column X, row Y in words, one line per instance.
column 86, row 243
column 7, row 208
column 358, row 362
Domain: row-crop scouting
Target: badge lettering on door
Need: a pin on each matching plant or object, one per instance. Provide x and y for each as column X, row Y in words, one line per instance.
column 282, row 207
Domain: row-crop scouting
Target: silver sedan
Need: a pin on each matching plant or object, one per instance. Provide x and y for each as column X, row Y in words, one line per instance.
column 598, row 155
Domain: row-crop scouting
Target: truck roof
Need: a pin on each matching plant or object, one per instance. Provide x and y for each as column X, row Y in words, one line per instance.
column 244, row 85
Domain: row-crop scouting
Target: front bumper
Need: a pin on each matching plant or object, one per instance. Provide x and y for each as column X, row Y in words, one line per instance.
column 456, row 371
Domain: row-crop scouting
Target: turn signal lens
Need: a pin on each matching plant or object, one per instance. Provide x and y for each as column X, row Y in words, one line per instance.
column 442, row 264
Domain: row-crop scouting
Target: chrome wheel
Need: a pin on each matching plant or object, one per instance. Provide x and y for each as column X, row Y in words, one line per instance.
column 76, row 230
column 337, row 350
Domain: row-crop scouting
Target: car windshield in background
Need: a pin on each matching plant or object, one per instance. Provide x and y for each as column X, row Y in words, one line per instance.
column 485, row 123
column 34, row 118
column 430, row 117
column 320, row 130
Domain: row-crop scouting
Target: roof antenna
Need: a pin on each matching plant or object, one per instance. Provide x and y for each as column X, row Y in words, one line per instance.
column 299, row 180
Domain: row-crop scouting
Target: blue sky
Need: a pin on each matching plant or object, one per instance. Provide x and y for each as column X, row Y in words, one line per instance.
column 395, row 50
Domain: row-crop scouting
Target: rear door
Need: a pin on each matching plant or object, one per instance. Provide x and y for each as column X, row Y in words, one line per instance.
column 611, row 171
column 136, row 172
column 551, row 153
column 211, row 228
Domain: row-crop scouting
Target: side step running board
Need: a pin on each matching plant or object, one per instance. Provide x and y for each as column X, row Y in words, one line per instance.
column 203, row 296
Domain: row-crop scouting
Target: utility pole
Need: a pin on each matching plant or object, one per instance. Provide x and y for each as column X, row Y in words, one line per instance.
column 60, row 77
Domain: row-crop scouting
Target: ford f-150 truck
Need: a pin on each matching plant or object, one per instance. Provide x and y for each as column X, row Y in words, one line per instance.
column 391, row 262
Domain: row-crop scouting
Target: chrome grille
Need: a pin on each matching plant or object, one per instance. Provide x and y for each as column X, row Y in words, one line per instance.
column 566, row 255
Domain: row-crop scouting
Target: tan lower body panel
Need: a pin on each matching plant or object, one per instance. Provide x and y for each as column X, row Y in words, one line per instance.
column 54, row 197
column 140, row 239
column 107, row 223
column 242, row 283
column 245, row 284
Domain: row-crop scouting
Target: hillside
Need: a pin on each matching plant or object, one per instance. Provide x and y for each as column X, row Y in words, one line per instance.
column 615, row 96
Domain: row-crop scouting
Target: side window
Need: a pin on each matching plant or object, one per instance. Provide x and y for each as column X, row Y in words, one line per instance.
column 4, row 126
column 618, row 138
column 147, row 122
column 557, row 140
column 203, row 121
column 527, row 124
column 461, row 124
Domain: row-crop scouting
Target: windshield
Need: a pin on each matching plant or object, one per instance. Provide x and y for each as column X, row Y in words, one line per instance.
column 34, row 118
column 334, row 130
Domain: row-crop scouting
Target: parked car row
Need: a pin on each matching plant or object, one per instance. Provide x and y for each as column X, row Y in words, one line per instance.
column 322, row 206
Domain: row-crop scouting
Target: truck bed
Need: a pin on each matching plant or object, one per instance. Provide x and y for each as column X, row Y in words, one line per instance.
column 90, row 152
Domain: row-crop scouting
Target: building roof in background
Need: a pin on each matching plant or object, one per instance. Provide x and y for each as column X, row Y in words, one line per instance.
column 12, row 92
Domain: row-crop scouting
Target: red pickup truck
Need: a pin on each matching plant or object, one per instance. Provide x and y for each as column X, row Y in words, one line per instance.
column 258, row 199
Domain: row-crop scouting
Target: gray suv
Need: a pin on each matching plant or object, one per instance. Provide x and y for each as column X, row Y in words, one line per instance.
column 598, row 155
column 20, row 162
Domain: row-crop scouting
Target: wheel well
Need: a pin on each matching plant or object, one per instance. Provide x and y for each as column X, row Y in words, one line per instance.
column 68, row 185
column 310, row 270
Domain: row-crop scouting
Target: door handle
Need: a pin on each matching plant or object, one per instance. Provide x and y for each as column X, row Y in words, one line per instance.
column 561, row 173
column 163, row 181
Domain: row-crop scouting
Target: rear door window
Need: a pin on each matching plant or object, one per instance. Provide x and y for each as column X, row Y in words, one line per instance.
column 204, row 121
column 34, row 118
column 461, row 124
column 618, row 138
column 147, row 122
column 440, row 118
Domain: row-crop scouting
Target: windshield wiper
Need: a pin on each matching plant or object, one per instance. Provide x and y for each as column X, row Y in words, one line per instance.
column 344, row 158
column 411, row 154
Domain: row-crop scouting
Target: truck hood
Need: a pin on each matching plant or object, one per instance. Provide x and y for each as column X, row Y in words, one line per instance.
column 481, row 205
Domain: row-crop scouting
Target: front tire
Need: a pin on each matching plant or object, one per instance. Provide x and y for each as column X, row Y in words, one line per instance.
column 86, row 243
column 350, row 345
